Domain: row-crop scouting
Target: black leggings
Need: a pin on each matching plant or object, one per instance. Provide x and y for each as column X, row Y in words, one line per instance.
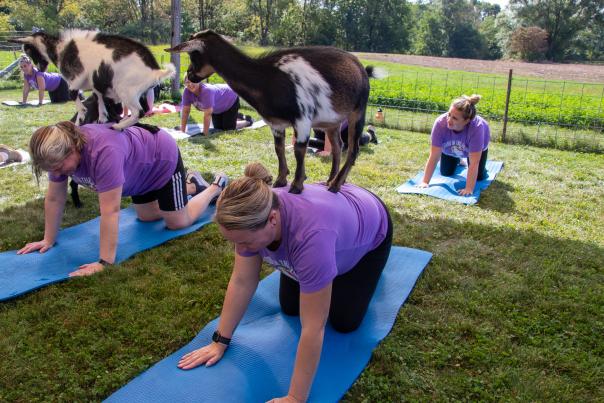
column 226, row 120
column 449, row 163
column 61, row 94
column 350, row 292
column 318, row 141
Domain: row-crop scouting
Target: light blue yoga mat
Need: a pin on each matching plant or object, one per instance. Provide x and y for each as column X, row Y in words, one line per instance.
column 446, row 187
column 259, row 362
column 78, row 245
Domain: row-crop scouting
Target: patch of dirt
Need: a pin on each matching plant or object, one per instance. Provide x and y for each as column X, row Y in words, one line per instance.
column 588, row 73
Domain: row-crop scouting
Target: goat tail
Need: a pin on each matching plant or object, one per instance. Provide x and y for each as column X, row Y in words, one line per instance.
column 376, row 72
column 168, row 72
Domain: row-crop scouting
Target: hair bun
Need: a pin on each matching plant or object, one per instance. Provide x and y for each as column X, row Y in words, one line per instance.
column 474, row 99
column 256, row 170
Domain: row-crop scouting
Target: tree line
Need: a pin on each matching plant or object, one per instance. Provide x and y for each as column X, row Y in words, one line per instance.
column 555, row 30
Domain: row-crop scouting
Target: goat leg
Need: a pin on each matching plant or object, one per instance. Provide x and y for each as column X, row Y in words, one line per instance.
column 300, row 175
column 75, row 195
column 354, row 135
column 336, row 151
column 279, row 136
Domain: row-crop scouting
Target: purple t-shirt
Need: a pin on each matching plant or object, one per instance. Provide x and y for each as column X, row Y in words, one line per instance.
column 219, row 97
column 473, row 138
column 51, row 80
column 325, row 234
column 136, row 159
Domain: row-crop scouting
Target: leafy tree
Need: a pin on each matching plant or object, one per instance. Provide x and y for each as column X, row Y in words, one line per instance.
column 562, row 19
column 529, row 43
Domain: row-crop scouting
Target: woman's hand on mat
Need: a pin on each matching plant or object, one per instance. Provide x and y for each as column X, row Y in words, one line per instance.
column 465, row 192
column 285, row 399
column 422, row 185
column 87, row 269
column 209, row 355
column 41, row 246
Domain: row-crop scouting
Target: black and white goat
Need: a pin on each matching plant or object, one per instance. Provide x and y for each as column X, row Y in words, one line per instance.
column 112, row 66
column 305, row 87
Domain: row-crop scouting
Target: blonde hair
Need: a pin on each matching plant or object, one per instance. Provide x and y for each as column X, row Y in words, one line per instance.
column 24, row 59
column 467, row 105
column 245, row 204
column 50, row 145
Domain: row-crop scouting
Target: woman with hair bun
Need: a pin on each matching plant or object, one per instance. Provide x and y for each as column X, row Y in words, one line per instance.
column 459, row 133
column 134, row 162
column 329, row 267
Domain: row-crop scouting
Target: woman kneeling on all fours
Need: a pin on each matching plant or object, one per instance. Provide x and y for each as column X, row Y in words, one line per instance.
column 329, row 268
column 134, row 162
column 457, row 134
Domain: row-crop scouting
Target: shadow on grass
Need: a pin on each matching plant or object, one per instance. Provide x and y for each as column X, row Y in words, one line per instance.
column 497, row 197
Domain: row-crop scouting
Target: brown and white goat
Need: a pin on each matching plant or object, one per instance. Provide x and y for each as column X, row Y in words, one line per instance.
column 112, row 66
column 304, row 87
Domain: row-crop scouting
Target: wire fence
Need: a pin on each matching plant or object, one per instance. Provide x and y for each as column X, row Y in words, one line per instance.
column 560, row 114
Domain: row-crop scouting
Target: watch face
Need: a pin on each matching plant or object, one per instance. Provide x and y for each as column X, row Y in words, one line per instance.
column 216, row 336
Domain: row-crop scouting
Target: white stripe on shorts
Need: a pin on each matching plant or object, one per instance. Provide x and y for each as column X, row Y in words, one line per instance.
column 177, row 190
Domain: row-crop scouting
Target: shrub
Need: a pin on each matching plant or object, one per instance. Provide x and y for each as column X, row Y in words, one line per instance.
column 529, row 43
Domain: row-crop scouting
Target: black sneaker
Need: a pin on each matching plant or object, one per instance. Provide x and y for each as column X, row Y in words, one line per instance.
column 249, row 119
column 371, row 131
column 220, row 180
column 196, row 179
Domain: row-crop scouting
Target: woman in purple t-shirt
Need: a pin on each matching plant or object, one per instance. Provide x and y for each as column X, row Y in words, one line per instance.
column 329, row 267
column 218, row 103
column 458, row 134
column 134, row 162
column 56, row 86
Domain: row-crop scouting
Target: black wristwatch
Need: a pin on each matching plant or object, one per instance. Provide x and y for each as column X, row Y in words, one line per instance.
column 104, row 262
column 218, row 338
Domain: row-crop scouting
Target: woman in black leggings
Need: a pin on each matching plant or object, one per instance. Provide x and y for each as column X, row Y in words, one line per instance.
column 331, row 249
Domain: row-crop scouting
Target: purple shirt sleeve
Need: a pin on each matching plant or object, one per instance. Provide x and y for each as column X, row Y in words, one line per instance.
column 208, row 97
column 108, row 170
column 438, row 131
column 187, row 98
column 59, row 178
column 315, row 261
column 477, row 137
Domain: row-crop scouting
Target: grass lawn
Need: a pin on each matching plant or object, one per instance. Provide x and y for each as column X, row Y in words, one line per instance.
column 509, row 309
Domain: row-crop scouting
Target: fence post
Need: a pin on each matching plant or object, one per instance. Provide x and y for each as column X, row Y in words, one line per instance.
column 175, row 40
column 507, row 104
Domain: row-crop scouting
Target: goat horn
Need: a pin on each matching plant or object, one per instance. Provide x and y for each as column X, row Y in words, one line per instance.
column 16, row 40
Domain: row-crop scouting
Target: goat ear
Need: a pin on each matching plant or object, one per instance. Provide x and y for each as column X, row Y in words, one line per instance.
column 188, row 46
column 27, row 39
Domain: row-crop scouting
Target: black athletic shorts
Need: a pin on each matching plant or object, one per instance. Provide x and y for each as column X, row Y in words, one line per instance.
column 173, row 195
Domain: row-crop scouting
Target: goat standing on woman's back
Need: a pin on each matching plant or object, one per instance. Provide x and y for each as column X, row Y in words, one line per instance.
column 305, row 87
column 112, row 66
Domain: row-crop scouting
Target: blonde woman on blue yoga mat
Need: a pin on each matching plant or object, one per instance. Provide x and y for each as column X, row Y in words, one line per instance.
column 457, row 134
column 329, row 267
column 135, row 162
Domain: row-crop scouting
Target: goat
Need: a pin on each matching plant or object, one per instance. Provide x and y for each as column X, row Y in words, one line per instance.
column 112, row 66
column 304, row 87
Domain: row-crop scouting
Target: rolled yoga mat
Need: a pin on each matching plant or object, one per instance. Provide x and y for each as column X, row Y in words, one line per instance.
column 446, row 187
column 78, row 245
column 258, row 364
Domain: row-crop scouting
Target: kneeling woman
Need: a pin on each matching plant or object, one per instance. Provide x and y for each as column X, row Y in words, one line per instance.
column 331, row 249
column 133, row 162
column 218, row 103
column 57, row 88
column 457, row 134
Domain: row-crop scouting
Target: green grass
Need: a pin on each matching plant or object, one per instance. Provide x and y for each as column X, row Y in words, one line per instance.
column 509, row 309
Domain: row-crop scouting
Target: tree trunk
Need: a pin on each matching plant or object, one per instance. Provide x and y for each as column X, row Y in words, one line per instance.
column 175, row 40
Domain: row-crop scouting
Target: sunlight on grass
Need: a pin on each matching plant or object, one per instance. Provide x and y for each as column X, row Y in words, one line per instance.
column 510, row 308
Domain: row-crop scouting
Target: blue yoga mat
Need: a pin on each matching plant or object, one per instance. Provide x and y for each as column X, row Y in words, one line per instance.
column 78, row 245
column 446, row 187
column 259, row 362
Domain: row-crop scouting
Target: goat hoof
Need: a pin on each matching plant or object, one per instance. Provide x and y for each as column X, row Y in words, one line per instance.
column 296, row 190
column 279, row 183
column 334, row 189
